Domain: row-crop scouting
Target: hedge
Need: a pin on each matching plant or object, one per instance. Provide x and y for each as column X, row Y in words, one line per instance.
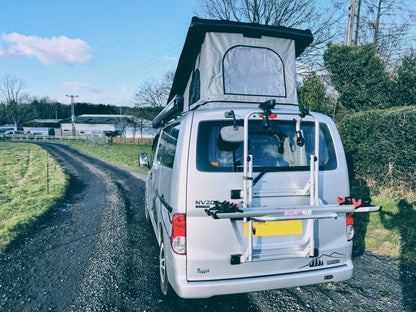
column 381, row 147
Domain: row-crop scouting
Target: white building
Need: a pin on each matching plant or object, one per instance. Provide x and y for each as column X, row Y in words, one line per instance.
column 120, row 125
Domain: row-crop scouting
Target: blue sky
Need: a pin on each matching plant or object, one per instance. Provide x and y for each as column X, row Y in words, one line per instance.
column 98, row 50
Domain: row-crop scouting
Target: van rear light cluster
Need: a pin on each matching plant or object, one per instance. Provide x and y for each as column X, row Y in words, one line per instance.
column 350, row 226
column 178, row 236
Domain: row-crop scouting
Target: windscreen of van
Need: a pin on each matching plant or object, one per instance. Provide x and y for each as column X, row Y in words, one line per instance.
column 273, row 148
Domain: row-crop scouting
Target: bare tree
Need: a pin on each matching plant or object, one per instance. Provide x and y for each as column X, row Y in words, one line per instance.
column 289, row 13
column 357, row 23
column 12, row 93
column 385, row 24
column 154, row 93
column 221, row 9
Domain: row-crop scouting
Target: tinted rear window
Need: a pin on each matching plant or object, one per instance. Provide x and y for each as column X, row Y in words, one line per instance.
column 273, row 149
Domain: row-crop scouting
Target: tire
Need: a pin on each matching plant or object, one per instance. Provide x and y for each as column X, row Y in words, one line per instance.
column 146, row 210
column 164, row 283
column 147, row 216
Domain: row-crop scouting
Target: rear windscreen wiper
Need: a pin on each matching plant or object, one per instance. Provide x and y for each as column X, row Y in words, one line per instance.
column 260, row 175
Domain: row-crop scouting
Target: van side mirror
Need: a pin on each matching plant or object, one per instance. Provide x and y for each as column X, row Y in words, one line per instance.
column 143, row 160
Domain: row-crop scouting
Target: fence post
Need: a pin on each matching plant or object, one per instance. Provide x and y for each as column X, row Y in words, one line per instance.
column 47, row 172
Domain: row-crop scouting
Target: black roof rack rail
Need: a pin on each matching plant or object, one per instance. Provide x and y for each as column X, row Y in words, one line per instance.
column 173, row 109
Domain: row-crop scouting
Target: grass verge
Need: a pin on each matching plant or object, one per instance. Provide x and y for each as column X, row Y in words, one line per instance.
column 24, row 197
column 392, row 231
column 121, row 154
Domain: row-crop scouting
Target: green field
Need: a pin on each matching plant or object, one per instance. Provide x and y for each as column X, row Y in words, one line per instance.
column 121, row 154
column 24, row 196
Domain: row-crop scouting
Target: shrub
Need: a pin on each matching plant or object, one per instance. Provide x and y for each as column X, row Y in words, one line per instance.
column 381, row 147
column 359, row 77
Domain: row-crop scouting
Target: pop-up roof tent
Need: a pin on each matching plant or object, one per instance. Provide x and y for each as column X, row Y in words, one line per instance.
column 229, row 62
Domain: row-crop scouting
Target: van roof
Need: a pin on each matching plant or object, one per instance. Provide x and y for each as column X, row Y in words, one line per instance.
column 198, row 29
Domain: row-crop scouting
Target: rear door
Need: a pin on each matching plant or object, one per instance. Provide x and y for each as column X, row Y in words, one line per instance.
column 160, row 177
column 215, row 174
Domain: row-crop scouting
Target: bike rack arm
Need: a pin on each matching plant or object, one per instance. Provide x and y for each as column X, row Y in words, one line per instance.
column 294, row 212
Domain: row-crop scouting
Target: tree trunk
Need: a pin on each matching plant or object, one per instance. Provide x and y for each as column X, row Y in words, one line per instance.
column 376, row 27
column 357, row 26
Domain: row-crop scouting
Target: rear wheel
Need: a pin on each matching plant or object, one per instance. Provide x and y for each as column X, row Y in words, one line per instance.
column 147, row 216
column 146, row 210
column 164, row 283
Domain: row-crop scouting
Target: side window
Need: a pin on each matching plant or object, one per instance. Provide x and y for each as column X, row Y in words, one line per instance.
column 154, row 145
column 167, row 145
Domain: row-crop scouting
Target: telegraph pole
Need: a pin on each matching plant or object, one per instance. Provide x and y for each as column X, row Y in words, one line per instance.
column 350, row 22
column 72, row 113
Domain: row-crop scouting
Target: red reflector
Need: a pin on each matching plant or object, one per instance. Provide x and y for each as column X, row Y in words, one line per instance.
column 328, row 277
column 350, row 220
column 272, row 116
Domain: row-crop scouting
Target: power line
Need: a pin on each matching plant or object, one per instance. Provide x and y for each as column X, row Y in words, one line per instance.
column 124, row 75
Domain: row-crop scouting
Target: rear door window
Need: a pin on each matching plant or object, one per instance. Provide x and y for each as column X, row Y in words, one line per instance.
column 273, row 149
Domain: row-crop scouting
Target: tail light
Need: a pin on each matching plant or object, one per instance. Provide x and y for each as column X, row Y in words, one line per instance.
column 178, row 236
column 350, row 226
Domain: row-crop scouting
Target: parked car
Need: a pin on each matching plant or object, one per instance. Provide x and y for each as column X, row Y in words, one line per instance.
column 13, row 132
column 8, row 129
column 41, row 131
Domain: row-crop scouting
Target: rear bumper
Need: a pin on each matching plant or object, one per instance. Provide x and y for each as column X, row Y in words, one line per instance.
column 205, row 289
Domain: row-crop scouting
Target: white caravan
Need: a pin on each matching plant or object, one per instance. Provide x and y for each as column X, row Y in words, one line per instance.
column 245, row 192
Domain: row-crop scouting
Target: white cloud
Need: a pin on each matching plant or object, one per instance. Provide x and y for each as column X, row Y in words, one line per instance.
column 170, row 58
column 56, row 49
column 79, row 86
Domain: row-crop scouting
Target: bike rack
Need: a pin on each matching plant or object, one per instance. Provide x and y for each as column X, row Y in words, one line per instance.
column 312, row 212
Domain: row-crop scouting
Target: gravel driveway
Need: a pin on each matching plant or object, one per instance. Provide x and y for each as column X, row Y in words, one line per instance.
column 95, row 253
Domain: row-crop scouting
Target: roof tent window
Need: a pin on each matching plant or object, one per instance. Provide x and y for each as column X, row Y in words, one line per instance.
column 195, row 88
column 253, row 71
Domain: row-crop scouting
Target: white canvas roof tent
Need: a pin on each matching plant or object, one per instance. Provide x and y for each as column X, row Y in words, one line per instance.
column 229, row 64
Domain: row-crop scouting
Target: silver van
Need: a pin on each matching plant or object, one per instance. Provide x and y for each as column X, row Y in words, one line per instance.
column 246, row 192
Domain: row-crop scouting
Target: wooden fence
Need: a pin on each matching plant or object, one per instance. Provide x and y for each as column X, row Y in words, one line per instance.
column 103, row 139
column 140, row 141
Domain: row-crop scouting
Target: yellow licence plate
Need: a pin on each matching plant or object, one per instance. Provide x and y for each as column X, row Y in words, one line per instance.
column 275, row 228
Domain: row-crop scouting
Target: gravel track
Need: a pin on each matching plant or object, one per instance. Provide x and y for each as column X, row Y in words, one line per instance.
column 95, row 253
